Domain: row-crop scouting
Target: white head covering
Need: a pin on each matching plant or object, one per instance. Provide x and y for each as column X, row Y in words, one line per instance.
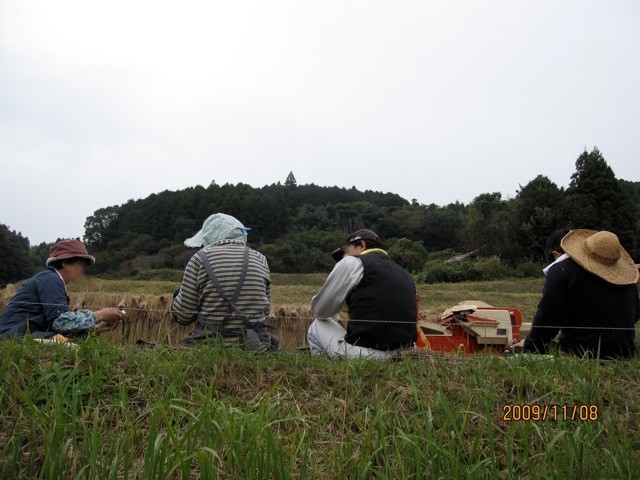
column 561, row 258
column 216, row 228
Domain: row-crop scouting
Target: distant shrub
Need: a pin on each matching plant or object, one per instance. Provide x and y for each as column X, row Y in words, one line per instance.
column 528, row 269
column 482, row 269
column 177, row 256
column 442, row 255
column 438, row 272
column 145, row 262
column 492, row 268
column 408, row 254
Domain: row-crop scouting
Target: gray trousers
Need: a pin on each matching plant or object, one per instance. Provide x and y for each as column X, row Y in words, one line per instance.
column 326, row 337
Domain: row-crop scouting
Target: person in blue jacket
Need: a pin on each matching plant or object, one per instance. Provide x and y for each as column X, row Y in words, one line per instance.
column 41, row 306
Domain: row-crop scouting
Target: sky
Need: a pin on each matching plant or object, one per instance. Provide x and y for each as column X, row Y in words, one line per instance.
column 102, row 102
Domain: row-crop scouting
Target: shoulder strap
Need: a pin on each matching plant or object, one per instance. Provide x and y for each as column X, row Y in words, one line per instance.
column 236, row 294
column 243, row 277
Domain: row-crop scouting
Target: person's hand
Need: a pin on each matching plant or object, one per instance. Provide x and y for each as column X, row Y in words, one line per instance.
column 109, row 316
column 520, row 344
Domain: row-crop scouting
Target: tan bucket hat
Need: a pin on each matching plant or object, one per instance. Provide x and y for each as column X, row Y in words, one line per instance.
column 601, row 254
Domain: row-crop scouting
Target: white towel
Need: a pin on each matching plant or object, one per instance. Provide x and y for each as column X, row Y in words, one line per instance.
column 561, row 258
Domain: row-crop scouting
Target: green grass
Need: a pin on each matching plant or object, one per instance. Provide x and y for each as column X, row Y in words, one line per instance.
column 118, row 411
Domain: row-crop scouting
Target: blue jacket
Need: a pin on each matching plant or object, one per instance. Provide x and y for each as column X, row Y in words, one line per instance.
column 40, row 301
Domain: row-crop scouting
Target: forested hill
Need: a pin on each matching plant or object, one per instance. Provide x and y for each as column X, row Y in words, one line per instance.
column 296, row 226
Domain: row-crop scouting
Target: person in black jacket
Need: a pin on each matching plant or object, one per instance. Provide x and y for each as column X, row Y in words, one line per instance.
column 379, row 295
column 590, row 297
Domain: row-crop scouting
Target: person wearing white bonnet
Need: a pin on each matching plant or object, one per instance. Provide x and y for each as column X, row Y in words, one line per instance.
column 217, row 228
column 226, row 289
column 591, row 299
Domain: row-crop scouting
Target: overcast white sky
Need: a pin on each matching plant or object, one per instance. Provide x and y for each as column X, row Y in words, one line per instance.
column 434, row 100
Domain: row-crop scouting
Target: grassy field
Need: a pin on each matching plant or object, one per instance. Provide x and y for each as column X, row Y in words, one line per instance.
column 118, row 411
column 113, row 410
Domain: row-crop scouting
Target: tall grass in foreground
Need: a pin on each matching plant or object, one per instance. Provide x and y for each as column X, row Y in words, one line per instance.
column 119, row 411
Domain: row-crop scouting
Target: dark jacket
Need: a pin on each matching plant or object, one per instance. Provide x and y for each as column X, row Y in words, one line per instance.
column 387, row 294
column 574, row 297
column 41, row 300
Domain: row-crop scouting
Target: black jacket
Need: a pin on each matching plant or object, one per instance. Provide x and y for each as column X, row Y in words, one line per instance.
column 386, row 294
column 573, row 297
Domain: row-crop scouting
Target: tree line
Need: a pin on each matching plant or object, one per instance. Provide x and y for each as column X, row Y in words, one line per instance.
column 296, row 226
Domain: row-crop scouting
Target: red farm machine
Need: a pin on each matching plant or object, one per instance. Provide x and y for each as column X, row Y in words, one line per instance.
column 472, row 327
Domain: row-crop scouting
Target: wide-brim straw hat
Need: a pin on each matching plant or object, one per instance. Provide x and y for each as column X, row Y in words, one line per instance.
column 601, row 254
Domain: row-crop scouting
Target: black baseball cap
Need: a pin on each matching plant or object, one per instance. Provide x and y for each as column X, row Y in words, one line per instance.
column 364, row 234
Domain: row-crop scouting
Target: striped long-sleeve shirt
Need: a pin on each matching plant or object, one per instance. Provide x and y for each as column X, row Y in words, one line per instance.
column 198, row 300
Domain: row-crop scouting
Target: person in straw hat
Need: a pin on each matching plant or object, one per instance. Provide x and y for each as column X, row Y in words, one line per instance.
column 41, row 306
column 590, row 298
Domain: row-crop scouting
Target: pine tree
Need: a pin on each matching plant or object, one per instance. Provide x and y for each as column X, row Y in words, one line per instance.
column 596, row 200
column 633, row 190
column 291, row 181
column 536, row 214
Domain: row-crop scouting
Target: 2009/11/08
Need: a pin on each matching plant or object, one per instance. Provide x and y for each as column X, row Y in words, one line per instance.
column 535, row 412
